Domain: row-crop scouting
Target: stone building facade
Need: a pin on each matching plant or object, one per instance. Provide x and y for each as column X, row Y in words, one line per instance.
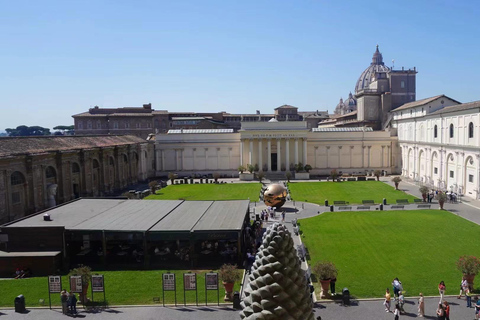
column 39, row 172
column 440, row 143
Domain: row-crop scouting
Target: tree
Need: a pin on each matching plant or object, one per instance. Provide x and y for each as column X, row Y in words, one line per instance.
column 28, row 131
column 64, row 130
column 86, row 273
column 172, row 177
column 288, row 175
column 396, row 180
column 153, row 186
column 216, row 175
column 241, row 169
column 260, row 176
column 377, row 173
column 277, row 287
column 250, row 168
column 423, row 190
column 334, row 175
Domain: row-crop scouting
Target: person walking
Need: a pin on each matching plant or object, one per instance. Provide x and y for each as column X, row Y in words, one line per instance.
column 64, row 299
column 396, row 312
column 283, row 216
column 401, row 301
column 447, row 310
column 463, row 287
column 72, row 302
column 468, row 294
column 386, row 303
column 441, row 290
column 397, row 287
column 421, row 306
column 440, row 312
column 332, row 285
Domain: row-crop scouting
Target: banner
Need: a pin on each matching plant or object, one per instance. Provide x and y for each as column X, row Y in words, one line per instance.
column 190, row 281
column 168, row 282
column 76, row 284
column 54, row 284
column 211, row 281
column 98, row 283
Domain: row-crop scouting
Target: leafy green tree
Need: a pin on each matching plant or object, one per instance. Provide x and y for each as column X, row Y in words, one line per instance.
column 28, row 131
column 64, row 130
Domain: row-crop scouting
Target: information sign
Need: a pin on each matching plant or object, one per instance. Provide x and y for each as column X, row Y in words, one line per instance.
column 54, row 284
column 168, row 282
column 97, row 283
column 211, row 281
column 190, row 281
column 76, row 284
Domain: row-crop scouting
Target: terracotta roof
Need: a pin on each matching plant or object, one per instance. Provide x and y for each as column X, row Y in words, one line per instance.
column 12, row 146
column 458, row 107
column 88, row 114
column 286, row 106
column 131, row 114
column 422, row 102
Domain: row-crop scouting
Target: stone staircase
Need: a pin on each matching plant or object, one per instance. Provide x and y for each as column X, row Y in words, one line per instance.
column 275, row 176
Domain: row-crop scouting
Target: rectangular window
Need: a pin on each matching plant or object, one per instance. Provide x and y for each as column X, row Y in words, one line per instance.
column 435, row 170
column 451, row 174
column 470, row 178
column 402, row 84
column 16, row 198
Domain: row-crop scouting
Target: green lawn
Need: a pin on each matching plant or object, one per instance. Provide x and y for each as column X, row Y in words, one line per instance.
column 420, row 247
column 351, row 191
column 230, row 191
column 121, row 288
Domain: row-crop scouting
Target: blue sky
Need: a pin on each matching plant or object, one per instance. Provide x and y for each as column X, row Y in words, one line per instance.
column 59, row 58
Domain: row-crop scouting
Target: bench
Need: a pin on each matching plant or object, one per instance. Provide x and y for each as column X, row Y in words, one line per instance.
column 339, row 203
column 363, row 208
column 368, row 202
column 351, row 179
column 296, row 231
column 344, row 208
column 417, row 200
column 397, row 207
column 402, row 201
column 424, row 206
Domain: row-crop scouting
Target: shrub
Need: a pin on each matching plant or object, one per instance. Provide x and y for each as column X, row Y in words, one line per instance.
column 215, row 176
column 250, row 168
column 288, row 175
column 153, row 186
column 377, row 173
column 334, row 175
column 172, row 177
column 469, row 265
column 299, row 167
column 229, row 273
column 241, row 169
column 308, row 167
column 325, row 270
column 396, row 180
column 256, row 167
column 260, row 176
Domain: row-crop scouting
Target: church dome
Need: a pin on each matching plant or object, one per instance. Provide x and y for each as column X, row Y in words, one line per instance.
column 351, row 103
column 368, row 76
column 340, row 108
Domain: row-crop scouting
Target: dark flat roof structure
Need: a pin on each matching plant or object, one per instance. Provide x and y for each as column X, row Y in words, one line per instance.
column 141, row 215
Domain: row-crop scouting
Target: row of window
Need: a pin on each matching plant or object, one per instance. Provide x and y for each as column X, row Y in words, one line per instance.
column 98, row 125
column 451, row 130
column 470, row 176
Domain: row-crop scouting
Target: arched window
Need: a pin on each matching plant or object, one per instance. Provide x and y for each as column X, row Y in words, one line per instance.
column 75, row 168
column 50, row 172
column 470, row 130
column 451, row 130
column 435, row 131
column 95, row 164
column 17, row 178
column 125, row 158
column 111, row 162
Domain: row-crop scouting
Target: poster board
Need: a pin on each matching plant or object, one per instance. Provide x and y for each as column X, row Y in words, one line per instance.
column 211, row 281
column 168, row 282
column 98, row 284
column 54, row 284
column 189, row 281
column 76, row 284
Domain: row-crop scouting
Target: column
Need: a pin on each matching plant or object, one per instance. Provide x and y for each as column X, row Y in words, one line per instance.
column 218, row 159
column 163, row 159
column 369, row 148
column 176, row 159
column 287, row 154
column 250, row 152
column 388, row 156
column 230, row 158
column 241, row 152
column 206, row 158
column 381, row 160
column 477, row 180
column 269, row 154
column 181, row 162
column 340, row 156
column 260, row 155
column 296, row 151
column 158, row 163
column 305, row 151
column 279, row 155
column 194, row 158
column 328, row 149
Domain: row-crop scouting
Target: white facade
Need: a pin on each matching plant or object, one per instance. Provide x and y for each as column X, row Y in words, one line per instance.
column 441, row 148
column 275, row 147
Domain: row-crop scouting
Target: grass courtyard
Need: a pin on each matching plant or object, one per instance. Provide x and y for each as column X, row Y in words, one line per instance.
column 352, row 191
column 420, row 247
column 230, row 191
column 121, row 288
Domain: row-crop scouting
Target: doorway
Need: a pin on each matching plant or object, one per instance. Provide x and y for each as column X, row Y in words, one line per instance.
column 273, row 158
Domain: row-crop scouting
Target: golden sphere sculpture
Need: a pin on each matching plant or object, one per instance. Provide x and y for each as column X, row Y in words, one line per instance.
column 275, row 195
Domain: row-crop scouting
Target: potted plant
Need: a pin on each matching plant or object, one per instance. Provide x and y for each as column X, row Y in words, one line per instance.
column 241, row 169
column 86, row 273
column 288, row 175
column 256, row 167
column 229, row 275
column 424, row 191
column 299, row 167
column 334, row 175
column 441, row 197
column 251, row 168
column 377, row 174
column 172, row 177
column 325, row 270
column 153, row 186
column 469, row 266
column 216, row 175
column 396, row 180
column 308, row 167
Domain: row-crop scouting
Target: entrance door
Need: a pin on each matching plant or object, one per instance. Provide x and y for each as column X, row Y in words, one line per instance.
column 76, row 190
column 273, row 158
